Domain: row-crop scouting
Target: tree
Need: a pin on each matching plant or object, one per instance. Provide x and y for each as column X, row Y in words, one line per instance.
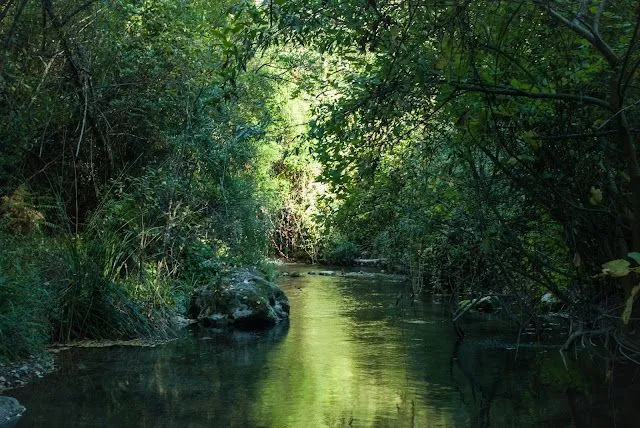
column 540, row 96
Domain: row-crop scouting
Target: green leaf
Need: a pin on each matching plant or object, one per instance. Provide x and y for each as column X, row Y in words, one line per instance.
column 596, row 196
column 616, row 268
column 530, row 138
column 634, row 256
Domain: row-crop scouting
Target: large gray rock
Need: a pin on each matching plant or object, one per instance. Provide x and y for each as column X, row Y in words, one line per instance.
column 245, row 300
column 10, row 411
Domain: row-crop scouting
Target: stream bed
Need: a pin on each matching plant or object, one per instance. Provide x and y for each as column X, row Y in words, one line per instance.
column 356, row 353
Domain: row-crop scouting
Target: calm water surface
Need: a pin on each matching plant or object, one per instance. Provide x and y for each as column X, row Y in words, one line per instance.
column 355, row 354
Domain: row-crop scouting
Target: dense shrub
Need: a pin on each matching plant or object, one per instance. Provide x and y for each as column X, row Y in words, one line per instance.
column 340, row 251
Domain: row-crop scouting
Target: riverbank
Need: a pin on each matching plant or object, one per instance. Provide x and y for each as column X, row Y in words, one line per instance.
column 18, row 374
column 244, row 299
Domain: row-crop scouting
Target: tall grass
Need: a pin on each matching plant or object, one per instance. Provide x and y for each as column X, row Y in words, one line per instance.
column 131, row 264
column 62, row 286
column 24, row 300
column 89, row 302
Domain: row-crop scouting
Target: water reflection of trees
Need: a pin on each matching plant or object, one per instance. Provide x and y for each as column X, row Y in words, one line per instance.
column 204, row 381
column 360, row 366
column 534, row 388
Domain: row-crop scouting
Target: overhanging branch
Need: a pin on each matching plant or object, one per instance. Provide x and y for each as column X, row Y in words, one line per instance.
column 592, row 35
column 507, row 91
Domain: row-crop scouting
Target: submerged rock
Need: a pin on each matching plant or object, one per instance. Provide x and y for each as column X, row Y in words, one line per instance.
column 10, row 411
column 327, row 273
column 245, row 300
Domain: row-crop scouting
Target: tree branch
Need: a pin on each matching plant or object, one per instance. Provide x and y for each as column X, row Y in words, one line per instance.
column 590, row 35
column 581, row 10
column 596, row 19
column 506, row 91
column 580, row 136
column 77, row 10
column 5, row 9
column 624, row 74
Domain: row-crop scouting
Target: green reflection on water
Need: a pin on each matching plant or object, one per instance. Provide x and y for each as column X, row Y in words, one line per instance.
column 354, row 369
column 354, row 354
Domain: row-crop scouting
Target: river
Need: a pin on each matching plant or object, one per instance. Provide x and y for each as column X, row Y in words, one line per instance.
column 356, row 353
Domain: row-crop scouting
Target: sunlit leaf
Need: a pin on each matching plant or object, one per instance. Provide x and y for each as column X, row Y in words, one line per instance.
column 596, row 196
column 616, row 268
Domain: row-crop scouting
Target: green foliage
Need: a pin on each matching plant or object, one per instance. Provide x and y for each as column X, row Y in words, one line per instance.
column 89, row 304
column 203, row 263
column 296, row 232
column 459, row 140
column 19, row 215
column 616, row 268
column 169, row 147
column 25, row 298
column 340, row 251
column 621, row 268
column 269, row 269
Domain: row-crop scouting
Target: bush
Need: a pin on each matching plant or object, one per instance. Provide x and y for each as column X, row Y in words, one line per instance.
column 19, row 214
column 340, row 251
column 202, row 263
column 89, row 302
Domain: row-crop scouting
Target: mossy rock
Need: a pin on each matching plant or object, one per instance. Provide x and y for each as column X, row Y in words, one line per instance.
column 10, row 411
column 244, row 299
